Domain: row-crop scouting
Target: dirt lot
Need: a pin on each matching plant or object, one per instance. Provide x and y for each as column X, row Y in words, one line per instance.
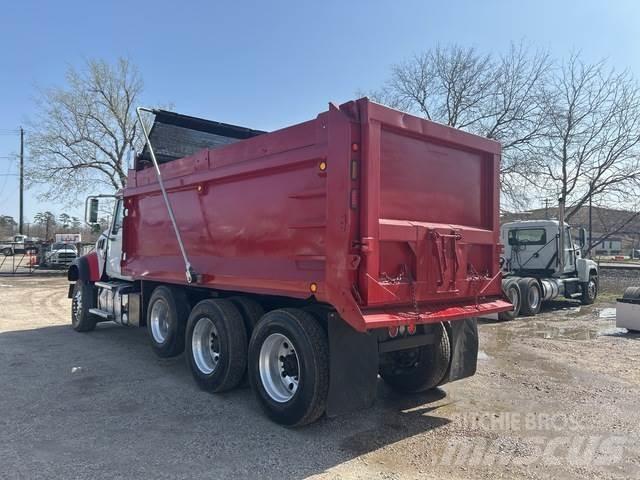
column 554, row 397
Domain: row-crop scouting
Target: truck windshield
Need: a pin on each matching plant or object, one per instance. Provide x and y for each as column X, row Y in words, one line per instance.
column 528, row 236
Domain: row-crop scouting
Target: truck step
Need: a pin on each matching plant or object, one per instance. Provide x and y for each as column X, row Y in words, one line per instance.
column 111, row 285
column 101, row 313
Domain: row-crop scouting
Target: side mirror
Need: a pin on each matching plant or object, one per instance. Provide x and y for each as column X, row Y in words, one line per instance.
column 93, row 211
column 583, row 237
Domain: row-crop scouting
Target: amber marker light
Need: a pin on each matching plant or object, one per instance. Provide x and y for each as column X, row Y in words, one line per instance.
column 322, row 166
column 313, row 287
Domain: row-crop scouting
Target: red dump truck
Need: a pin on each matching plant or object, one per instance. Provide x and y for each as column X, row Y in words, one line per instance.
column 309, row 260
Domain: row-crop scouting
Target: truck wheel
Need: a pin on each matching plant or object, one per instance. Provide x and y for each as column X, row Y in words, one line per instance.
column 589, row 290
column 531, row 296
column 250, row 310
column 418, row 369
column 7, row 252
column 166, row 314
column 216, row 345
column 84, row 298
column 289, row 366
column 513, row 293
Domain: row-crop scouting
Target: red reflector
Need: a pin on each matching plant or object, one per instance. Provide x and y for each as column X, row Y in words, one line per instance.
column 393, row 332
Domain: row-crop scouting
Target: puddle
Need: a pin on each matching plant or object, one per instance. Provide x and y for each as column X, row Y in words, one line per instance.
column 573, row 333
column 587, row 331
column 613, row 332
column 609, row 312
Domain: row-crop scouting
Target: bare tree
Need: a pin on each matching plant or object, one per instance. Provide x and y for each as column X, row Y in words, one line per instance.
column 84, row 131
column 498, row 97
column 591, row 147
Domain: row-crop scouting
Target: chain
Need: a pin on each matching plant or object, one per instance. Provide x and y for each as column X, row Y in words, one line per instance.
column 405, row 274
column 475, row 278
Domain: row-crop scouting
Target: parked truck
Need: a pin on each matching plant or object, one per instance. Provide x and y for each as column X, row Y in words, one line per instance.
column 535, row 271
column 18, row 244
column 308, row 260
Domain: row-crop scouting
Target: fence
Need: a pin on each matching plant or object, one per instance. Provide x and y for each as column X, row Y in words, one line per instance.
column 18, row 258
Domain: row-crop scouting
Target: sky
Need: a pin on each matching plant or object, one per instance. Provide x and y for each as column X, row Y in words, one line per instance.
column 266, row 65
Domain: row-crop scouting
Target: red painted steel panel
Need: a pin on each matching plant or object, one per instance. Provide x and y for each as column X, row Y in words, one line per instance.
column 263, row 216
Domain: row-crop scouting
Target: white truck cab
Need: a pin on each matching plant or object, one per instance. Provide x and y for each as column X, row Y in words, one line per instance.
column 535, row 271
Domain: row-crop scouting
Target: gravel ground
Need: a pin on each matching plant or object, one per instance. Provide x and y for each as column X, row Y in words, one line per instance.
column 554, row 397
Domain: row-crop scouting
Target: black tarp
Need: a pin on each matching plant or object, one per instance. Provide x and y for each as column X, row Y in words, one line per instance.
column 174, row 135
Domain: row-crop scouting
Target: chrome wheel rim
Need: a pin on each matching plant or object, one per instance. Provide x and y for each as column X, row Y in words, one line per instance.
column 279, row 367
column 76, row 305
column 205, row 345
column 534, row 298
column 514, row 298
column 591, row 289
column 160, row 321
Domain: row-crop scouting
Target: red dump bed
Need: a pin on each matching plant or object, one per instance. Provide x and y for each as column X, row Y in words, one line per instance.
column 390, row 218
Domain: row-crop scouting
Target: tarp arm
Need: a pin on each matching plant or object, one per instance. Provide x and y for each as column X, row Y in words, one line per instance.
column 189, row 272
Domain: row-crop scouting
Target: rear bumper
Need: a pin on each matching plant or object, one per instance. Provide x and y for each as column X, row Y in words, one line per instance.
column 432, row 313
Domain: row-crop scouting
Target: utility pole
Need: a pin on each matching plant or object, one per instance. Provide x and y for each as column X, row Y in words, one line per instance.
column 590, row 218
column 21, row 224
column 546, row 208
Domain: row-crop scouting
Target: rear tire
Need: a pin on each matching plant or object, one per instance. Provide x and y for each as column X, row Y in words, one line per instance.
column 418, row 369
column 289, row 366
column 589, row 290
column 216, row 345
column 250, row 310
column 531, row 298
column 167, row 313
column 514, row 294
column 84, row 298
column 7, row 252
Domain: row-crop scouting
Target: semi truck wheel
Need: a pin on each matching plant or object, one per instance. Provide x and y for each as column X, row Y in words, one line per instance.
column 84, row 298
column 166, row 317
column 289, row 366
column 418, row 369
column 513, row 293
column 216, row 345
column 250, row 310
column 589, row 290
column 531, row 296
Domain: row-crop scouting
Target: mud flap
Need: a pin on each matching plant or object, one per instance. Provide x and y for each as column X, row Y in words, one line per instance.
column 353, row 363
column 463, row 335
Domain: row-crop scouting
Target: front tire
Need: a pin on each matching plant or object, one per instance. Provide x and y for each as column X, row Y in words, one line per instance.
column 83, row 298
column 531, row 296
column 216, row 345
column 418, row 369
column 589, row 290
column 289, row 366
column 166, row 317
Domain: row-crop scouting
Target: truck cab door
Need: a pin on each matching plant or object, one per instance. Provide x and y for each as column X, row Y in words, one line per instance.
column 569, row 252
column 114, row 244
